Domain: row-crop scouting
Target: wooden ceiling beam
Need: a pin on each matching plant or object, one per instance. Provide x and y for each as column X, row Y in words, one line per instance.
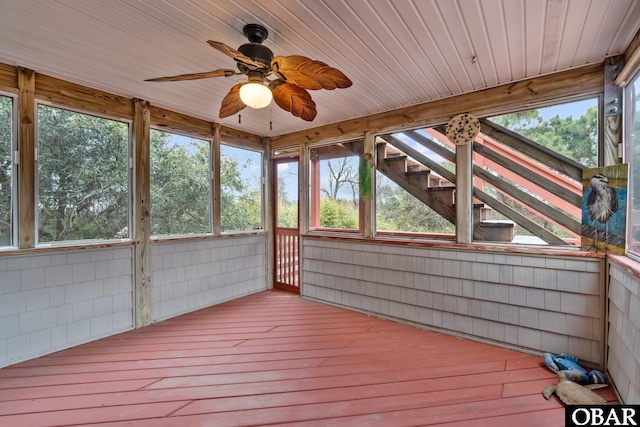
column 631, row 61
column 82, row 98
column 181, row 123
column 74, row 96
column 8, row 78
column 516, row 96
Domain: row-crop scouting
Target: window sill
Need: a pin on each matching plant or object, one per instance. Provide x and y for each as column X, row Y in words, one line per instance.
column 75, row 246
column 64, row 247
column 195, row 237
column 486, row 247
column 628, row 264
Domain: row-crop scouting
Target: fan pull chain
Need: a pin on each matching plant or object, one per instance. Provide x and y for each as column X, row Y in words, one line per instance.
column 270, row 118
column 239, row 118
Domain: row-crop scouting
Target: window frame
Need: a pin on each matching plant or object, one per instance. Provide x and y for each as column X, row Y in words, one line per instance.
column 13, row 149
column 36, row 184
column 263, row 182
column 436, row 237
column 210, row 182
column 627, row 136
column 359, row 231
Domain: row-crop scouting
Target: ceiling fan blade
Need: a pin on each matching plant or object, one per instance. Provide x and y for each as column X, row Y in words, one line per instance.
column 231, row 103
column 235, row 54
column 294, row 99
column 222, row 72
column 308, row 73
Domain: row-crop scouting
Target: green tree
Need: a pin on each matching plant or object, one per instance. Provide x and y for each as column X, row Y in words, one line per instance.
column 179, row 185
column 5, row 170
column 83, row 176
column 398, row 210
column 635, row 145
column 575, row 138
column 241, row 199
column 84, row 181
column 338, row 214
column 287, row 210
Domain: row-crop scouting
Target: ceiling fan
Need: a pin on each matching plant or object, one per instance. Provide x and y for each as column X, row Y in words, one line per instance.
column 284, row 79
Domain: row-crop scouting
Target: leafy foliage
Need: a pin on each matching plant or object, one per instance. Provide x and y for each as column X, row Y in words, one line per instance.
column 338, row 214
column 241, row 198
column 635, row 143
column 341, row 175
column 287, row 209
column 575, row 138
column 179, row 185
column 5, row 170
column 364, row 177
column 84, row 181
column 397, row 210
column 83, row 176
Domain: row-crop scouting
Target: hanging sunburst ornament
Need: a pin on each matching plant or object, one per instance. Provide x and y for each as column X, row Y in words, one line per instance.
column 463, row 128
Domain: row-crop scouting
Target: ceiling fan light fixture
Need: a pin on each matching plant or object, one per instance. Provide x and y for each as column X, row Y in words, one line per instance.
column 255, row 95
column 283, row 78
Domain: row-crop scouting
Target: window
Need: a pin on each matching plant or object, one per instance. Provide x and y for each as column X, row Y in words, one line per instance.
column 180, row 183
column 83, row 176
column 6, row 171
column 632, row 138
column 527, row 177
column 287, row 189
column 413, row 197
column 569, row 129
column 528, row 173
column 240, row 189
column 334, row 187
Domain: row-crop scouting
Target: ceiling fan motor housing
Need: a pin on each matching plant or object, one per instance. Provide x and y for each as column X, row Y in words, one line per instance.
column 256, row 34
column 257, row 52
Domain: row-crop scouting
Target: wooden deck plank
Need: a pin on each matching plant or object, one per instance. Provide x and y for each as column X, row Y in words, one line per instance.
column 48, row 380
column 537, row 417
column 316, row 411
column 300, row 362
column 93, row 415
column 37, row 393
column 317, row 390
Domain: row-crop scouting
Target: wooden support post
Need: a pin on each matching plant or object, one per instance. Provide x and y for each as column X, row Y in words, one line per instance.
column 368, row 202
column 314, row 190
column 268, row 203
column 141, row 212
column 26, row 158
column 215, row 179
column 612, row 124
column 464, row 193
column 303, row 189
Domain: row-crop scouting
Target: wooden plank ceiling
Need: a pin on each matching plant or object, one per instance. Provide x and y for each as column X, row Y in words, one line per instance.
column 398, row 53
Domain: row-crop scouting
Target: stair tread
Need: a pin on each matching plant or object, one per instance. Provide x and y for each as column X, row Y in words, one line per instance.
column 497, row 223
column 449, row 188
column 395, row 158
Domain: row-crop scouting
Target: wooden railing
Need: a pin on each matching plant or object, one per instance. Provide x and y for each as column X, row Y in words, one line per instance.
column 287, row 242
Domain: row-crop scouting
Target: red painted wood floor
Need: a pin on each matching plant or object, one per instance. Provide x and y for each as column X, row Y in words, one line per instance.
column 275, row 359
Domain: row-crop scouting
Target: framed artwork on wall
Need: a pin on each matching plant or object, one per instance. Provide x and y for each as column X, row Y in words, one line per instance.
column 604, row 208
